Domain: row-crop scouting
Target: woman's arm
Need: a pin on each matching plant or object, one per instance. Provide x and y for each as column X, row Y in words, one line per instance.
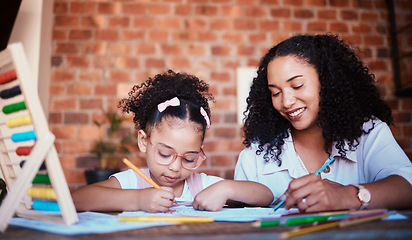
column 214, row 197
column 108, row 196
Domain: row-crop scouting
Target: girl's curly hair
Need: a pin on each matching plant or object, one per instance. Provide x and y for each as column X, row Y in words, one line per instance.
column 143, row 100
column 348, row 96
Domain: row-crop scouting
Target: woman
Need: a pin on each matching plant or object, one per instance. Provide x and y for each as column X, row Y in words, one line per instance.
column 314, row 100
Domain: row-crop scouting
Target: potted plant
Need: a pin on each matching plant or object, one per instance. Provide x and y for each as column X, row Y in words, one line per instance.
column 111, row 149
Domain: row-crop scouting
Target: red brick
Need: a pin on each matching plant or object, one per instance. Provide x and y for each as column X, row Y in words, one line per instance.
column 291, row 26
column 92, row 133
column 93, row 21
column 62, row 75
column 369, row 17
column 74, row 147
column 269, row 2
column 56, row 89
column 159, row 9
column 406, row 104
column 93, row 48
column 206, row 10
column 220, row 76
column 134, row 8
column 65, row 132
column 339, row 3
column 121, row 22
column 66, row 48
column 107, row 35
column 80, row 34
column 349, row 15
column 117, row 48
column 243, row 24
column 115, row 76
column 158, row 36
column 316, row 3
column 169, row 49
column 169, row 23
column 108, row 8
column 155, row 63
column 303, row 13
column 231, row 11
column 55, row 117
column 257, row 37
column 222, row 161
column 233, row 37
column 144, row 22
column 196, row 23
column 132, row 35
column 61, row 7
column 221, row 24
column 67, row 162
column 145, row 48
column 374, row 40
column 103, row 61
column 127, row 62
column 77, row 61
column 361, row 28
column 245, row 50
column 66, row 21
column 64, row 103
column 90, row 75
column 106, row 89
column 256, row 12
column 221, row 50
column 91, row 104
column 180, row 62
column 269, row 25
column 193, row 49
column 327, row 14
column 79, row 89
column 59, row 34
column 82, row 7
column 280, row 12
column 339, row 27
column 186, row 36
column 184, row 9
column 316, row 27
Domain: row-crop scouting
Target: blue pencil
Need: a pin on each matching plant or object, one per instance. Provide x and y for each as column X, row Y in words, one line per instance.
column 280, row 204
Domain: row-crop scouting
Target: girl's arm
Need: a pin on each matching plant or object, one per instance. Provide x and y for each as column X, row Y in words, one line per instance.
column 108, row 196
column 214, row 197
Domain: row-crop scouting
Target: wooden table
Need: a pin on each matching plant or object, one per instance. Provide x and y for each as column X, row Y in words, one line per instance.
column 398, row 229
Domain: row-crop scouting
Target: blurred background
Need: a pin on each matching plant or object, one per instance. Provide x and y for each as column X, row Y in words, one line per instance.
column 85, row 55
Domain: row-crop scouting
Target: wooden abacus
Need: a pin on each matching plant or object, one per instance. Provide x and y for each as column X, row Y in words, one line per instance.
column 24, row 134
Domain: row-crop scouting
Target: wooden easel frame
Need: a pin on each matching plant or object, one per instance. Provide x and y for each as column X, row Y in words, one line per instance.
column 44, row 150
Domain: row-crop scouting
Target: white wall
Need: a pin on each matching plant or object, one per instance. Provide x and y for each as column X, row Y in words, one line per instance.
column 33, row 29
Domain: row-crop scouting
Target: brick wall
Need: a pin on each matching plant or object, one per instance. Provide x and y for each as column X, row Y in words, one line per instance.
column 101, row 48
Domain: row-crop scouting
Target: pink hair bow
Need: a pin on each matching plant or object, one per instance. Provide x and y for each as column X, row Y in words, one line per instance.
column 172, row 102
column 204, row 114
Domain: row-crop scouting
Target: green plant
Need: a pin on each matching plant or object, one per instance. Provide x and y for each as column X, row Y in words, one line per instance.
column 111, row 149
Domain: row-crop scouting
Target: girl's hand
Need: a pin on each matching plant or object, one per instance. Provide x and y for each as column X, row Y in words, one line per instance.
column 212, row 198
column 312, row 194
column 156, row 200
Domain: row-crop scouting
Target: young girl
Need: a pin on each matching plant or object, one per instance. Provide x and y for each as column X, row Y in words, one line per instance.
column 314, row 100
column 171, row 112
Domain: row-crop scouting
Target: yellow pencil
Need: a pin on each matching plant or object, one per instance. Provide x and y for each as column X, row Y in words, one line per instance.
column 137, row 170
column 176, row 219
column 132, row 166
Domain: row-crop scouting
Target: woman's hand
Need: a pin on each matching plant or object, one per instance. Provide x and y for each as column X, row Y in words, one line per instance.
column 212, row 198
column 155, row 200
column 312, row 194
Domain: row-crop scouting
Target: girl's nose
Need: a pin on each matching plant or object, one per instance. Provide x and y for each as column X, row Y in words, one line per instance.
column 176, row 165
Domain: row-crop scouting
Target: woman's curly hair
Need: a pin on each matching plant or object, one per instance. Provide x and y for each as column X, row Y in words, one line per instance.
column 348, row 96
column 143, row 100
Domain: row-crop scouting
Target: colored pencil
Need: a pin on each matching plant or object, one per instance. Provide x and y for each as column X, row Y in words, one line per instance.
column 343, row 223
column 280, row 204
column 176, row 219
column 137, row 170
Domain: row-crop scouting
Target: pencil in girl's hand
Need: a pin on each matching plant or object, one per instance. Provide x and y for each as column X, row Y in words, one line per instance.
column 132, row 166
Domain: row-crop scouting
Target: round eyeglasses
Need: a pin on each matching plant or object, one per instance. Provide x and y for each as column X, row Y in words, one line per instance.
column 165, row 156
